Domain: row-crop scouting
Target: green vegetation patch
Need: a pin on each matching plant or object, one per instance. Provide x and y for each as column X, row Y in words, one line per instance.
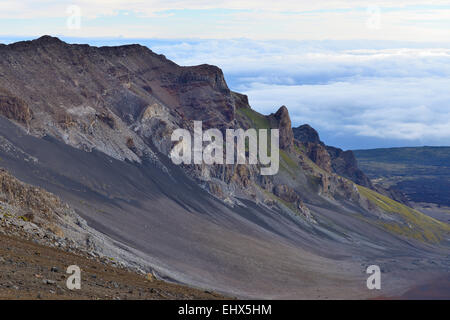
column 291, row 163
column 417, row 225
column 259, row 121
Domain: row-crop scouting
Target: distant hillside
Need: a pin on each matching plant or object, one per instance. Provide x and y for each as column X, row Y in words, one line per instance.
column 422, row 173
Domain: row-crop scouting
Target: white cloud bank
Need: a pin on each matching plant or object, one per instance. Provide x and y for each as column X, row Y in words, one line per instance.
column 390, row 108
column 353, row 90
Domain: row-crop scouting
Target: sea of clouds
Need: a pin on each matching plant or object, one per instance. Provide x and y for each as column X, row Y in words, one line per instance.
column 358, row 94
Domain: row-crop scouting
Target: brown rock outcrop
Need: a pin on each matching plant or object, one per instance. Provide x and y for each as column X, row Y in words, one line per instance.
column 286, row 193
column 331, row 159
column 282, row 121
column 319, row 155
column 14, row 108
column 306, row 134
column 344, row 163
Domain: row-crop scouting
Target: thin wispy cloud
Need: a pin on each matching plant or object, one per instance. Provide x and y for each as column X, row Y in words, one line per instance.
column 263, row 19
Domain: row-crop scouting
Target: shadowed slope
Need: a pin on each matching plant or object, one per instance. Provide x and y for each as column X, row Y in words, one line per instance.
column 189, row 236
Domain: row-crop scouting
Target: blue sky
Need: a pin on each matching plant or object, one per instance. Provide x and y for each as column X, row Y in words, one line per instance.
column 365, row 74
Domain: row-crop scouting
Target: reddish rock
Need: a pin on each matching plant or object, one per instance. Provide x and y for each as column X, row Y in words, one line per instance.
column 282, row 121
column 319, row 155
column 286, row 193
column 331, row 159
column 14, row 108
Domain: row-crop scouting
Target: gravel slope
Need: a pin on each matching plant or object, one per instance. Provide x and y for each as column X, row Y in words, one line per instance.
column 32, row 271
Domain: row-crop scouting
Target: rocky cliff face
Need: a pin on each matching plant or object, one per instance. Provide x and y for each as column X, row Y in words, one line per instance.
column 337, row 161
column 331, row 159
column 282, row 121
column 306, row 134
column 344, row 163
